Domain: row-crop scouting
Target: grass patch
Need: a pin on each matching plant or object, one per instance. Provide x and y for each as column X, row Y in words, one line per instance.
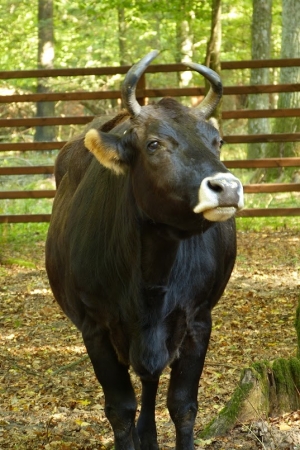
column 278, row 200
column 18, row 262
column 21, row 236
column 23, row 233
column 260, row 224
column 22, row 239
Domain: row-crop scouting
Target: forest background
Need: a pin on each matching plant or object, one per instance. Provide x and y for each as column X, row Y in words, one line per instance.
column 72, row 34
column 118, row 32
column 65, row 34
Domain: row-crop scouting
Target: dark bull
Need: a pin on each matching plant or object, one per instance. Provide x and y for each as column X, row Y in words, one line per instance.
column 140, row 248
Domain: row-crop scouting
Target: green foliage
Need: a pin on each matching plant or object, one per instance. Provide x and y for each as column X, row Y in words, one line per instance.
column 18, row 43
column 86, row 33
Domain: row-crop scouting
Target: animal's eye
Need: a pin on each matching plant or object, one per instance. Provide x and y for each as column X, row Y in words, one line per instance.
column 152, row 146
column 221, row 143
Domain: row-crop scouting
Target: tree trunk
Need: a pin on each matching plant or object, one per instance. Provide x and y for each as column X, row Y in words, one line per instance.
column 261, row 46
column 122, row 45
column 290, row 48
column 265, row 389
column 184, row 42
column 122, row 37
column 212, row 58
column 45, row 61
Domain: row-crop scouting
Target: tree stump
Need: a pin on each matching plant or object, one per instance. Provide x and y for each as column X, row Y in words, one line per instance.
column 266, row 389
column 297, row 325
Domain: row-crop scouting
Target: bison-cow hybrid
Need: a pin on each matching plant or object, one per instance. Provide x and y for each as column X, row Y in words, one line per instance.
column 140, row 247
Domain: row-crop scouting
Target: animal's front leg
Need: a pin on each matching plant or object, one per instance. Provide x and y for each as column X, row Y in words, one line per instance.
column 184, row 383
column 120, row 402
column 146, row 423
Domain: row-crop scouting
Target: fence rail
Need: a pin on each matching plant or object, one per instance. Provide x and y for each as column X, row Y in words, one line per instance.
column 248, row 189
column 230, row 164
column 144, row 92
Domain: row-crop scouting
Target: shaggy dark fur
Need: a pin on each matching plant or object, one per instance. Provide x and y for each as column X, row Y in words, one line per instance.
column 134, row 267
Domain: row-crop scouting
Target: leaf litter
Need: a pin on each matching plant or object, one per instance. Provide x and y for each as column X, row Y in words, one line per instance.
column 50, row 398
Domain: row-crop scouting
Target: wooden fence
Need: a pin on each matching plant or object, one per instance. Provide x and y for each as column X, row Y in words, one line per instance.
column 144, row 92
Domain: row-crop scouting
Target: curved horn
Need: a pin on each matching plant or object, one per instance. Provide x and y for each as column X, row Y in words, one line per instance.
column 213, row 97
column 131, row 80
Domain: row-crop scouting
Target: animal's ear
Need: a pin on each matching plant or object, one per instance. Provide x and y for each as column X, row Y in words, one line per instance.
column 107, row 149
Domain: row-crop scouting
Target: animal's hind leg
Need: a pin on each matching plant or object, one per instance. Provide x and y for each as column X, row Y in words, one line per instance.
column 120, row 402
column 146, row 423
column 184, row 382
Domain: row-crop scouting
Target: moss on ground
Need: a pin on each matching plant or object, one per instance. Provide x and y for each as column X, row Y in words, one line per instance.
column 228, row 416
column 297, row 325
column 264, row 389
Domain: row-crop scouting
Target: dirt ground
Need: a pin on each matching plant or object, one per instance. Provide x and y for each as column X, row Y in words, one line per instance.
column 50, row 398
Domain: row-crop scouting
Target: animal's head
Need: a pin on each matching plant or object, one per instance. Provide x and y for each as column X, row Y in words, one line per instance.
column 172, row 154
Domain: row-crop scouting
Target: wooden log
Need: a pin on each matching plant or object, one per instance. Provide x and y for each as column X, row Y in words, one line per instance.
column 248, row 139
column 231, row 164
column 154, row 68
column 27, row 170
column 25, row 218
column 46, row 121
column 263, row 162
column 271, row 187
column 260, row 63
column 60, row 96
column 269, row 212
column 49, row 193
column 142, row 93
column 249, row 189
column 265, row 389
column 255, row 212
column 31, row 146
column 260, row 113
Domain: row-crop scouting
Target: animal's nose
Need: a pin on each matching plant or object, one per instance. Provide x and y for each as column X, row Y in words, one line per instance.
column 220, row 196
column 228, row 191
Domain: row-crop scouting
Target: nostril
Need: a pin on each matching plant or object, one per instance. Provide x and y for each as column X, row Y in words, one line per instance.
column 215, row 186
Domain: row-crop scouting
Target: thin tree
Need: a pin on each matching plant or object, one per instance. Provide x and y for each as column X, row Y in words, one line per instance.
column 213, row 49
column 45, row 61
column 290, row 48
column 122, row 28
column 261, row 49
column 184, row 39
